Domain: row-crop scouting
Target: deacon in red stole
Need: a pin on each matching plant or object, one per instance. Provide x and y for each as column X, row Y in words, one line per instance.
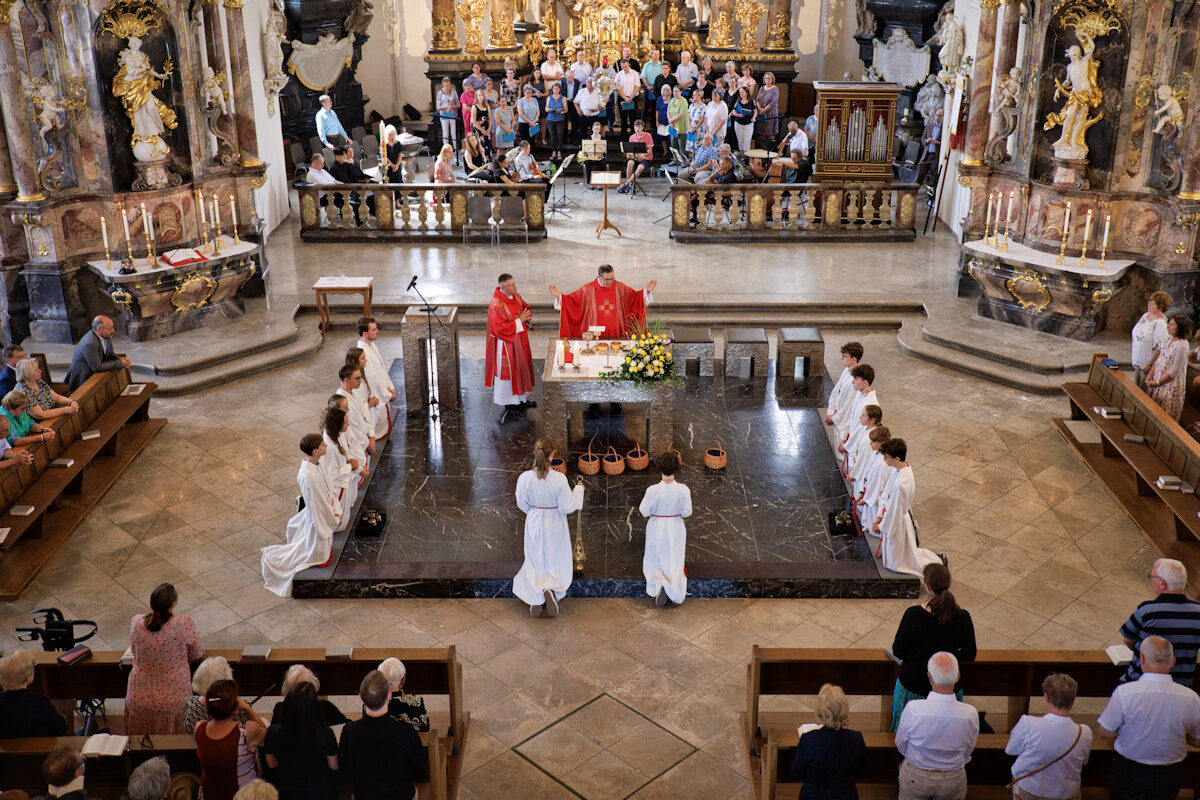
column 605, row 301
column 509, row 365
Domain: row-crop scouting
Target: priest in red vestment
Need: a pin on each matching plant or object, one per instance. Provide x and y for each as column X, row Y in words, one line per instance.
column 605, row 301
column 509, row 365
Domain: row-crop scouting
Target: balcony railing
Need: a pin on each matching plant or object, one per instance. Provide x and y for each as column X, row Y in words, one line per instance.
column 411, row 211
column 752, row 212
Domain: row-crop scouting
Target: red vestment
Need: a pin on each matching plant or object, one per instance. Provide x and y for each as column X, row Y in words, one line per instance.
column 517, row 362
column 619, row 308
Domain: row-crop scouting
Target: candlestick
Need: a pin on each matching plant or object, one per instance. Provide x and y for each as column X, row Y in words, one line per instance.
column 996, row 221
column 233, row 216
column 987, row 222
column 207, row 248
column 104, row 232
column 1104, row 241
column 216, row 217
column 1008, row 216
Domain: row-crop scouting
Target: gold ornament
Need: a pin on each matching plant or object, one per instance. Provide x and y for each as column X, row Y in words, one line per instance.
column 779, row 32
column 127, row 18
column 6, row 10
column 471, row 12
column 445, row 34
column 1095, row 18
column 674, row 21
column 720, row 31
column 748, row 13
column 233, row 4
column 549, row 31
column 1027, row 289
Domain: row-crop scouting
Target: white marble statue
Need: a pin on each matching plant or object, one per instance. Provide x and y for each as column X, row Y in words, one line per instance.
column 275, row 35
column 1082, row 93
column 1170, row 113
column 699, row 11
column 49, row 111
column 930, row 98
column 951, row 41
column 864, row 19
column 135, row 83
column 211, row 91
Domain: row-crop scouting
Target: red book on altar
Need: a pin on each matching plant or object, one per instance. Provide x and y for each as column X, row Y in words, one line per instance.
column 178, row 258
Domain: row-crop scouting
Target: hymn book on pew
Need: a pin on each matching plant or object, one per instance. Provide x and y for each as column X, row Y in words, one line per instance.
column 1108, row 412
column 105, row 744
column 63, row 463
column 21, row 511
column 1119, row 654
column 4, row 534
column 92, row 434
column 255, row 652
column 134, row 388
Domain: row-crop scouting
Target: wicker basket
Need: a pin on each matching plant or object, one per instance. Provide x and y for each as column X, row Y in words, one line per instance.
column 637, row 459
column 714, row 456
column 589, row 462
column 557, row 464
column 613, row 462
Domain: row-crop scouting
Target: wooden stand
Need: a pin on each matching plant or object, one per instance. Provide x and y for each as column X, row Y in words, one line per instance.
column 343, row 285
column 605, row 180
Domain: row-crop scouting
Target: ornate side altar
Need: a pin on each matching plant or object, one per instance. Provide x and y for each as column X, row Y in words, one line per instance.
column 1100, row 157
column 139, row 110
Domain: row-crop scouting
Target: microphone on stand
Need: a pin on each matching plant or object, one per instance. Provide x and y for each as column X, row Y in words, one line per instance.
column 411, row 284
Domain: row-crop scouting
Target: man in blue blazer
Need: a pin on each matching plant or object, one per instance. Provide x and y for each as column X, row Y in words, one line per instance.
column 8, row 376
column 94, row 354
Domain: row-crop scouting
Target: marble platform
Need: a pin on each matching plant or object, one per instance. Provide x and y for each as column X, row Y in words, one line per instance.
column 759, row 528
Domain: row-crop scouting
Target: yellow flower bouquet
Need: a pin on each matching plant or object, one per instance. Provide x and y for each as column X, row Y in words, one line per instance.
column 649, row 361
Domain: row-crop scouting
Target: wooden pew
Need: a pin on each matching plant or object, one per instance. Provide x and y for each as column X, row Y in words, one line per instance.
column 1167, row 519
column 1014, row 674
column 988, row 771
column 63, row 497
column 107, row 776
column 430, row 671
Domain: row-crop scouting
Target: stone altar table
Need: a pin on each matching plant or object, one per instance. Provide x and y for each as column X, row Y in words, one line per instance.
column 563, row 386
column 1023, row 286
column 163, row 300
column 414, row 328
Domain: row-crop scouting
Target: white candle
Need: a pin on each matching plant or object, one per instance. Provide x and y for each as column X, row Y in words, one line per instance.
column 1107, row 221
column 1066, row 231
column 988, row 222
column 104, row 231
column 1087, row 228
column 125, row 219
column 232, row 210
column 1008, row 216
column 150, row 226
column 145, row 230
column 203, row 215
column 216, row 212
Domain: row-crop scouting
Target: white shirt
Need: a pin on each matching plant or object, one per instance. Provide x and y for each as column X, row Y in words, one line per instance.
column 715, row 116
column 1037, row 741
column 686, row 74
column 938, row 732
column 583, row 70
column 799, row 144
column 320, row 177
column 628, row 82
column 552, row 72
column 588, row 102
column 1151, row 716
column 1148, row 334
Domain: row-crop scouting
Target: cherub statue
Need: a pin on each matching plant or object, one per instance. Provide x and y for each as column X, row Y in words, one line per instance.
column 49, row 108
column 1170, row 113
column 1004, row 114
column 211, row 91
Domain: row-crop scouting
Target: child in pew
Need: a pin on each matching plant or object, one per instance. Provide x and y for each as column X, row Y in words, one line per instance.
column 9, row 458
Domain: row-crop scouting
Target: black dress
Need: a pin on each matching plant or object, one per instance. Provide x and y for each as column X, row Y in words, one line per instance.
column 829, row 762
column 393, row 156
column 920, row 635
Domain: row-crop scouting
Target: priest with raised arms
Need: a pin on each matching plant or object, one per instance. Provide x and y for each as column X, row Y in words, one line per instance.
column 508, row 368
column 605, row 301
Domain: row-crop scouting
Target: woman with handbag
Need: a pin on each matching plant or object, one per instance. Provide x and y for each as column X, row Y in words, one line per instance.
column 1050, row 749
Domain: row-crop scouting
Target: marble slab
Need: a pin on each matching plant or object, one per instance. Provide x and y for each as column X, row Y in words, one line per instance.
column 229, row 250
column 1022, row 255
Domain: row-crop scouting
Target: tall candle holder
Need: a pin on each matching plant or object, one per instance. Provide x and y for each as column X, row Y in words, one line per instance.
column 1062, row 251
column 217, row 237
column 1103, row 252
column 1007, row 227
column 236, row 240
column 207, row 245
column 151, row 258
column 127, row 264
column 1083, row 254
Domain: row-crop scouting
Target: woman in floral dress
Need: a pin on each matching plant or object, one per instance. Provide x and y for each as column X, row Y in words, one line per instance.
column 1168, row 377
column 160, row 682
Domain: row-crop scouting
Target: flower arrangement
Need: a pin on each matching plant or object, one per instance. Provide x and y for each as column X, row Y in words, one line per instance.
column 649, row 362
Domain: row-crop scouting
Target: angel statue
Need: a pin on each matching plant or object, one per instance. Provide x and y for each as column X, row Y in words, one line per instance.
column 1083, row 93
column 930, row 98
column 1170, row 113
column 135, row 83
column 700, row 10
column 275, row 35
column 49, row 109
column 951, row 41
column 1004, row 115
column 359, row 18
column 211, row 91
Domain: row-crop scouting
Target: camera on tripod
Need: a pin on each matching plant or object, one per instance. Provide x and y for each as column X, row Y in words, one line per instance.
column 55, row 632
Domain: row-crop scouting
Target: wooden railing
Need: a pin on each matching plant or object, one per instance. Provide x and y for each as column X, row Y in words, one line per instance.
column 752, row 212
column 409, row 211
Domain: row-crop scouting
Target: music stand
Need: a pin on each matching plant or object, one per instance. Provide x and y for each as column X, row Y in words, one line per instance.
column 605, row 180
column 559, row 207
column 634, row 149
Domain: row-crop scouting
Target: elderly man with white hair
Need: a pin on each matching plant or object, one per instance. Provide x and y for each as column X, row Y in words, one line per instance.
column 149, row 780
column 1170, row 615
column 936, row 736
column 1153, row 719
column 22, row 712
column 403, row 706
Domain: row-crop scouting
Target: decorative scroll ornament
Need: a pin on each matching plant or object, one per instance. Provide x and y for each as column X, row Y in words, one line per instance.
column 720, row 31
column 748, row 13
column 534, row 48
column 1027, row 289
column 899, row 60
column 472, row 12
column 689, row 42
column 194, row 291
column 779, row 30
column 549, row 30
column 318, row 66
column 445, row 34
column 501, row 33
column 126, row 19
column 1095, row 18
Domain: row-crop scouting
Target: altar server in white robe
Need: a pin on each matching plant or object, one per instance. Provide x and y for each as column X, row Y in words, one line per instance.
column 546, row 498
column 852, row 353
column 377, row 374
column 872, row 477
column 357, row 357
column 858, row 448
column 339, row 465
column 666, row 504
column 310, row 532
column 862, row 376
column 362, row 423
column 894, row 523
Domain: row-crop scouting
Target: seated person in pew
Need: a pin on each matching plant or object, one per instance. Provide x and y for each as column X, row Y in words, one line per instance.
column 63, row 771
column 195, row 711
column 403, row 706
column 302, row 749
column 936, row 736
column 829, row 757
column 383, row 756
column 44, row 402
column 296, row 675
column 94, row 353
column 21, row 427
column 8, row 456
column 13, row 355
column 224, row 746
column 1153, row 720
column 22, row 712
column 1051, row 749
column 150, row 780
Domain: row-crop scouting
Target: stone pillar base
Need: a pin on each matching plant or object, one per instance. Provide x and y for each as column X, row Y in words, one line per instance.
column 154, row 175
column 1071, row 172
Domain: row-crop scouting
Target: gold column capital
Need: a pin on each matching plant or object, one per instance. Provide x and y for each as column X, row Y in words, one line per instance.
column 992, row 4
column 233, row 4
column 6, row 10
column 1188, row 195
column 30, row 198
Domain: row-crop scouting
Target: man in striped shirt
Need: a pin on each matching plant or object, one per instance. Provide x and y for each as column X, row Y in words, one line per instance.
column 1170, row 615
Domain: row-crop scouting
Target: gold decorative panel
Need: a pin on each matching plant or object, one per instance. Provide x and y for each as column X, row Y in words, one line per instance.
column 308, row 210
column 193, row 292
column 1027, row 289
column 533, row 207
column 679, row 211
column 758, row 209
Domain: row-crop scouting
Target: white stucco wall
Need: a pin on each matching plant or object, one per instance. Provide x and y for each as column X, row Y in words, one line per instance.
column 272, row 198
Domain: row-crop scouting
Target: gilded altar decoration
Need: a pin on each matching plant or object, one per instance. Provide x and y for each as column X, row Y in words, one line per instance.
column 758, row 209
column 679, row 210
column 1100, row 297
column 779, row 30
column 472, row 12
column 308, row 211
column 604, row 27
column 748, row 13
column 193, row 292
column 689, row 42
column 6, row 10
column 720, row 31
column 125, row 19
column 1027, row 288
column 135, row 83
column 1082, row 93
column 445, row 34
column 674, row 21
column 534, row 47
column 549, row 30
column 318, row 66
column 501, row 34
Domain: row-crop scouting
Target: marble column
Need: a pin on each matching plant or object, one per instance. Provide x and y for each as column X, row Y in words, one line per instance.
column 500, row 31
column 22, row 155
column 979, row 119
column 1007, row 37
column 779, row 26
column 214, row 45
column 8, row 185
column 720, row 25
column 243, row 96
column 1189, row 187
column 445, row 27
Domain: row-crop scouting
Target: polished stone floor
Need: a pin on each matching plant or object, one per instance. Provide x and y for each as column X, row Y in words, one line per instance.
column 1041, row 556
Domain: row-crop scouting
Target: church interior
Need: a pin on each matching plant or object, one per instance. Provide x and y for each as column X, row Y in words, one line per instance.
column 632, row 539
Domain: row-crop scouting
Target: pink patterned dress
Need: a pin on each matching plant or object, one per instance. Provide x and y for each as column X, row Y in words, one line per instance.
column 161, row 680
column 1170, row 372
